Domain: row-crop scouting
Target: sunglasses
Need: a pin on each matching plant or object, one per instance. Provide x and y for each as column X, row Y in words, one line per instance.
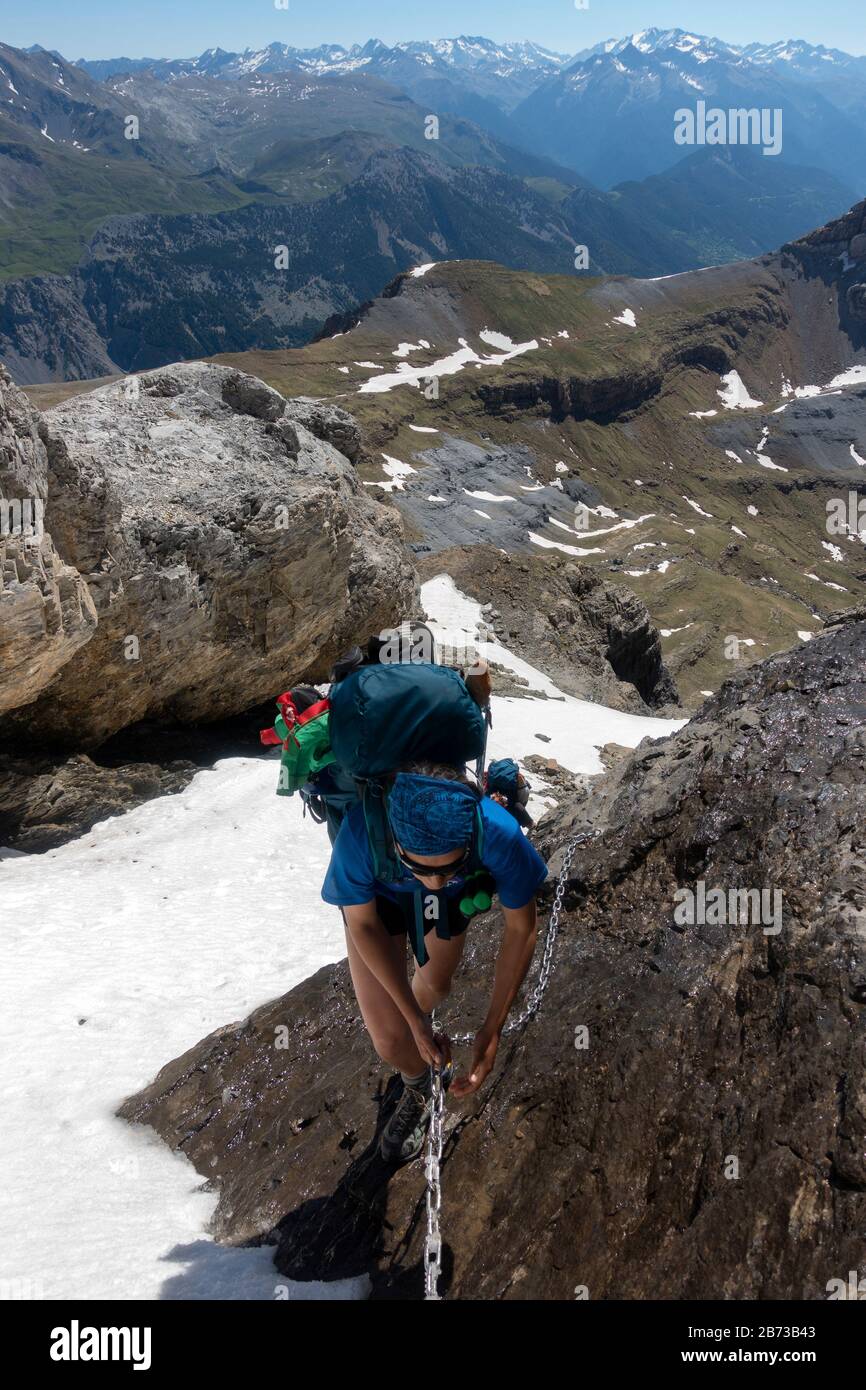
column 446, row 871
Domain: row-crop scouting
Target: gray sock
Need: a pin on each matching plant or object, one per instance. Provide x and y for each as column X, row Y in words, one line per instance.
column 416, row 1081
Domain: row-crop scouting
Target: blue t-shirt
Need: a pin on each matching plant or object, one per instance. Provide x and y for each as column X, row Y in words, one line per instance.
column 517, row 867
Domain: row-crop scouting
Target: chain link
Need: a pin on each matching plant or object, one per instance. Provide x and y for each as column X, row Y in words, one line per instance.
column 433, row 1239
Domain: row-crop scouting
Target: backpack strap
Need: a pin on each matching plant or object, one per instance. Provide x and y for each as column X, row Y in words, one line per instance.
column 386, row 866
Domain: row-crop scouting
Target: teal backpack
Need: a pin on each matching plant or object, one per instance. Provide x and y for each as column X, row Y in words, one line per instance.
column 380, row 717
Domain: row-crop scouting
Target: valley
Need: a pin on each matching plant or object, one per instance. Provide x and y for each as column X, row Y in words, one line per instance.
column 683, row 436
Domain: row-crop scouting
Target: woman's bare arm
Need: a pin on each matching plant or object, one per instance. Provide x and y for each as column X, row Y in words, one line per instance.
column 513, row 961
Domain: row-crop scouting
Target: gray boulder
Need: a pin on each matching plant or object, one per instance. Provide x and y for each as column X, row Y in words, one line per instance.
column 218, row 549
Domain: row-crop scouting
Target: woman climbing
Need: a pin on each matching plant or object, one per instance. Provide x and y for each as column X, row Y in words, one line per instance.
column 455, row 848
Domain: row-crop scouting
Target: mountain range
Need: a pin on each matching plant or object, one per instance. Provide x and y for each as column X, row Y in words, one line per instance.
column 622, row 93
column 122, row 252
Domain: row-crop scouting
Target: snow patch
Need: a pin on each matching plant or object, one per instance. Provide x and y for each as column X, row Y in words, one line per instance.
column 734, row 396
column 445, row 366
column 697, row 507
column 546, row 544
column 397, row 472
column 121, row 950
column 577, row 728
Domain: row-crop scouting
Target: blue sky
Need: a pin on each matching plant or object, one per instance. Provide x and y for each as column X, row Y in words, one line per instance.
column 179, row 28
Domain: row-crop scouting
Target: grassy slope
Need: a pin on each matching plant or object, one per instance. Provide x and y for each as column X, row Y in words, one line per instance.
column 59, row 197
column 716, row 589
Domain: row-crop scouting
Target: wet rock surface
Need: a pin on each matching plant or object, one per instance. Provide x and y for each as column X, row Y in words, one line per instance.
column 45, row 802
column 48, row 799
column 706, row 1143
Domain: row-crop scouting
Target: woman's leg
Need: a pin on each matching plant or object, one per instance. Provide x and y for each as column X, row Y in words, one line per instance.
column 389, row 1032
column 431, row 983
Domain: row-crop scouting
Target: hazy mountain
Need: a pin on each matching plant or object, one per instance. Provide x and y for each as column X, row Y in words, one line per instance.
column 714, row 206
column 470, row 77
column 803, row 59
column 503, row 73
column 611, row 116
column 220, row 157
column 66, row 164
column 607, row 112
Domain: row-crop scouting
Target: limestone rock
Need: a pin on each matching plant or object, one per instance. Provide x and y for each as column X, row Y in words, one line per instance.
column 46, row 611
column 226, row 549
column 330, row 423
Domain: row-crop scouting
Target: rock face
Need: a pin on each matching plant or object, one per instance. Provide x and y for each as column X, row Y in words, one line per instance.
column 213, row 544
column 46, row 611
column 708, row 1140
column 594, row 637
column 43, row 804
column 46, row 335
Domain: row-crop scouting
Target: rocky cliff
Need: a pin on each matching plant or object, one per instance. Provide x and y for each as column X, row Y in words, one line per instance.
column 685, row 1116
column 223, row 544
column 205, row 543
column 46, row 611
column 594, row 637
column 175, row 548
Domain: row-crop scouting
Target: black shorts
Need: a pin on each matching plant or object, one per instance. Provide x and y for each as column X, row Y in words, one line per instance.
column 398, row 918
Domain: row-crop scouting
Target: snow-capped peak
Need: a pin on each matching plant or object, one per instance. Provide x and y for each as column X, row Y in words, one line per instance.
column 652, row 41
column 795, row 53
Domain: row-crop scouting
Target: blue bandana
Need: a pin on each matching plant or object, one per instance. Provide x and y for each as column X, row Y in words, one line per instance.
column 431, row 815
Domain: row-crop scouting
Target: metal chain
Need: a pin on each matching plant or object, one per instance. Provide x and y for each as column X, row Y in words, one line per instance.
column 433, row 1240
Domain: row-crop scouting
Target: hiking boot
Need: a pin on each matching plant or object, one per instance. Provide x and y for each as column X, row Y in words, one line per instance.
column 404, row 1134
